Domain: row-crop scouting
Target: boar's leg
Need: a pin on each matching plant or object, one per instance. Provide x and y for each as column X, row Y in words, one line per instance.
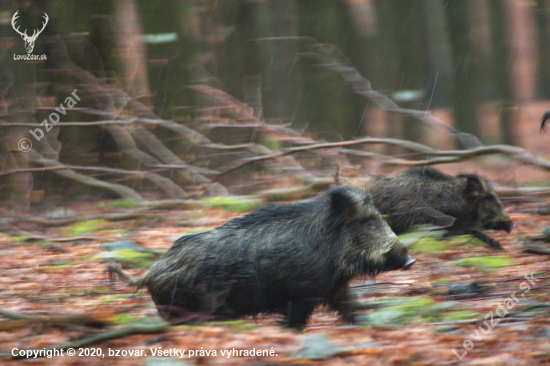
column 298, row 313
column 487, row 240
column 342, row 302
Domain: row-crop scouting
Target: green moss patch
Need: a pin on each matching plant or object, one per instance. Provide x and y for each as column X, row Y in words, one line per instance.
column 421, row 232
column 199, row 230
column 418, row 309
column 486, row 263
column 466, row 240
column 460, row 315
column 238, row 204
column 441, row 281
column 234, row 324
column 19, row 239
column 125, row 203
column 271, row 144
column 125, row 319
column 86, row 227
column 129, row 257
column 428, row 246
column 404, row 311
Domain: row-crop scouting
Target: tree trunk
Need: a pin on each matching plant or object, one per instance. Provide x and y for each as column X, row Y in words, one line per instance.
column 401, row 68
column 131, row 50
column 542, row 15
column 437, row 60
column 465, row 88
column 503, row 69
column 281, row 84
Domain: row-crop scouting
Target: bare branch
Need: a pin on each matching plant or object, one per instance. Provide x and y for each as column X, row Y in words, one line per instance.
column 362, row 86
column 441, row 157
column 119, row 190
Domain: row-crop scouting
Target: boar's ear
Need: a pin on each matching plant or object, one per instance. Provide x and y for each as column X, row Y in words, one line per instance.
column 473, row 187
column 343, row 202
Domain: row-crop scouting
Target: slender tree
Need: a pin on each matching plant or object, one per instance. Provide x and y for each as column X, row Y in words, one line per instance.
column 401, row 67
column 542, row 15
column 465, row 88
column 503, row 69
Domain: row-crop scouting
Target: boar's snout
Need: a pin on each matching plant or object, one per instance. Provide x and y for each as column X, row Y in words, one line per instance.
column 410, row 261
column 399, row 258
column 510, row 227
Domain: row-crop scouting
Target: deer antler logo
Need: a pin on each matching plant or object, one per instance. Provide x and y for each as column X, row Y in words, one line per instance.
column 29, row 41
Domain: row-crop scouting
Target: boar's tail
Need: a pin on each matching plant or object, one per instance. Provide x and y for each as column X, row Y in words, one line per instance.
column 114, row 269
column 138, row 282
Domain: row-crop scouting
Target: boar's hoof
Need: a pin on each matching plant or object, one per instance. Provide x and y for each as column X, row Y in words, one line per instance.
column 299, row 314
column 495, row 244
column 492, row 243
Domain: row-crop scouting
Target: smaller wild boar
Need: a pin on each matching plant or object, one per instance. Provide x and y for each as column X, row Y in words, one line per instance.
column 419, row 195
column 284, row 259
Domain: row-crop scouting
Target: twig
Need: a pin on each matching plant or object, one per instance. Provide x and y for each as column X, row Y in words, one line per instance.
column 48, row 238
column 79, row 168
column 78, row 124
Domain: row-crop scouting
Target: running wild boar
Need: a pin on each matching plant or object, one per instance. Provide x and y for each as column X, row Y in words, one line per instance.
column 284, row 259
column 427, row 196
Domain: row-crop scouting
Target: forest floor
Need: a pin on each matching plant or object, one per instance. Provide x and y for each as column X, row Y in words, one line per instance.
column 461, row 303
column 409, row 317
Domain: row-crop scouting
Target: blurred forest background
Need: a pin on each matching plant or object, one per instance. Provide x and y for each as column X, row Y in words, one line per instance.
column 198, row 97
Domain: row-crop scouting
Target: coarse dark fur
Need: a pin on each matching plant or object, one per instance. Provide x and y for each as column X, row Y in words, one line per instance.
column 421, row 195
column 283, row 259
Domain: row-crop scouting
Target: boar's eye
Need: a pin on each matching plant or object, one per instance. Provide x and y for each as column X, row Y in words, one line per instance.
column 367, row 222
column 490, row 199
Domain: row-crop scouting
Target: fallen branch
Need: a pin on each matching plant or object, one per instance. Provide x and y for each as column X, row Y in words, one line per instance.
column 76, row 124
column 31, row 236
column 108, row 216
column 113, row 334
column 536, row 249
column 503, row 191
column 441, row 157
column 139, row 173
column 293, row 193
column 119, row 190
column 98, row 319
column 166, row 156
column 79, row 168
column 543, row 210
column 128, row 146
column 172, row 205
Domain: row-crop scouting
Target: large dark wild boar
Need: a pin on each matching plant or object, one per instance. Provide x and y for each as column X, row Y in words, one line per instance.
column 418, row 195
column 283, row 259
